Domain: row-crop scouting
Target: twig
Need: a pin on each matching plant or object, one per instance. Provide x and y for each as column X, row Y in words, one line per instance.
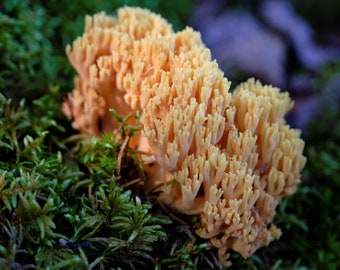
column 130, row 183
column 171, row 215
column 121, row 152
column 90, row 191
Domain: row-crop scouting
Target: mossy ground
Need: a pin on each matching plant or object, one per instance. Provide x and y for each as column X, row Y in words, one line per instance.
column 70, row 203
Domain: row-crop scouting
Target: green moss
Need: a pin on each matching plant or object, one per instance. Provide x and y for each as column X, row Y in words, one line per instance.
column 57, row 198
column 34, row 34
column 26, row 62
column 310, row 219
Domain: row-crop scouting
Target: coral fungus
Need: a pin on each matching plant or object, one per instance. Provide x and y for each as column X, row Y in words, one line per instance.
column 102, row 57
column 232, row 156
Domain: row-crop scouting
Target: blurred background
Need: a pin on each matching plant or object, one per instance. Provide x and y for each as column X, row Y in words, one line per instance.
column 288, row 44
column 293, row 44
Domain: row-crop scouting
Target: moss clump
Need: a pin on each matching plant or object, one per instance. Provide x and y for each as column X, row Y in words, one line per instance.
column 63, row 207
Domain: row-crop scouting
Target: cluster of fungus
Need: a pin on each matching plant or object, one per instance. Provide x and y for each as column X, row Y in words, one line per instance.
column 227, row 157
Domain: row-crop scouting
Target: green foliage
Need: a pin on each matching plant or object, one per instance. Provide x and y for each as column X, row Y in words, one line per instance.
column 34, row 33
column 128, row 230
column 310, row 219
column 322, row 176
column 26, row 63
column 183, row 249
column 176, row 12
column 61, row 206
